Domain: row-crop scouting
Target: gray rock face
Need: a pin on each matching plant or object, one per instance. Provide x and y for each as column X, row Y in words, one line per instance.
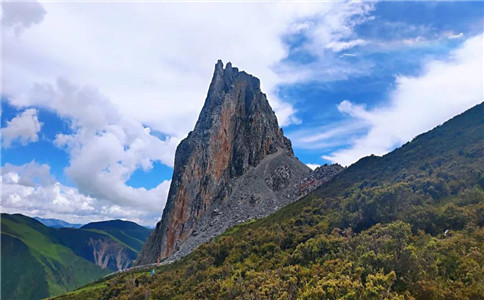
column 319, row 176
column 234, row 166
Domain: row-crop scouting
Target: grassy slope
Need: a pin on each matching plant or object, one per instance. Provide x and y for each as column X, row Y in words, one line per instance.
column 15, row 256
column 403, row 226
column 39, row 261
column 32, row 251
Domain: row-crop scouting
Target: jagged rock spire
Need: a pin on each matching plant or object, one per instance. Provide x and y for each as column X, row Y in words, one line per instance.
column 236, row 130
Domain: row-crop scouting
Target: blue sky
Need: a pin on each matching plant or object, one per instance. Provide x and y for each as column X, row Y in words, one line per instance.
column 432, row 22
column 92, row 114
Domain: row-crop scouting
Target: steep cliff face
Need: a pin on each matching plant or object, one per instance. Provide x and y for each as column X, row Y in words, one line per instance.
column 234, row 166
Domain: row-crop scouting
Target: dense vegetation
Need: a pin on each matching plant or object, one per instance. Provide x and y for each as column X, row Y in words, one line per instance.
column 403, row 226
column 38, row 261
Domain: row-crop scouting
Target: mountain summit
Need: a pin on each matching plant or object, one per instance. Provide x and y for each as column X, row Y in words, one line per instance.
column 236, row 165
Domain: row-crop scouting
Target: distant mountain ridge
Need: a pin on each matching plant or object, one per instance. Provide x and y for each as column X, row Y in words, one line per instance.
column 130, row 233
column 56, row 223
column 40, row 261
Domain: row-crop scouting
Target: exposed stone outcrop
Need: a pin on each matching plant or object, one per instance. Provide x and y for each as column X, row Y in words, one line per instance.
column 319, row 176
column 109, row 254
column 234, row 166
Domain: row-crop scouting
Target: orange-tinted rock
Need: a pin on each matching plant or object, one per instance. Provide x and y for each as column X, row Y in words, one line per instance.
column 236, row 131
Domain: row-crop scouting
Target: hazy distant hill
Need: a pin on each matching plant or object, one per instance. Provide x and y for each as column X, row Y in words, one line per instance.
column 56, row 223
column 408, row 225
column 39, row 261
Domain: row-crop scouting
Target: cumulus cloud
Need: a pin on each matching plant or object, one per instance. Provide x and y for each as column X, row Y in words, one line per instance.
column 417, row 104
column 23, row 128
column 105, row 147
column 30, row 189
column 27, row 175
column 18, row 16
column 170, row 66
column 114, row 84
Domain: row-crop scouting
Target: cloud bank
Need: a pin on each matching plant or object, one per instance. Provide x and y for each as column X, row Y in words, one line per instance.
column 30, row 189
column 417, row 104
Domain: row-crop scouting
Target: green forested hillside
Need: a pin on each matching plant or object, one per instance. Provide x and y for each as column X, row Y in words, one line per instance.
column 129, row 233
column 35, row 265
column 38, row 261
column 403, row 226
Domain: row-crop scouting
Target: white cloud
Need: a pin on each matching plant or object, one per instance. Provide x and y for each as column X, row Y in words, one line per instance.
column 163, row 58
column 30, row 189
column 327, row 32
column 348, row 55
column 338, row 46
column 23, row 128
column 105, row 147
column 451, row 35
column 113, row 78
column 445, row 89
column 333, row 28
column 28, row 174
column 18, row 16
column 329, row 136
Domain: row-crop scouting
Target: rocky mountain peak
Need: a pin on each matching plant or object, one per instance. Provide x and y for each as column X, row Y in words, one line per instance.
column 236, row 163
column 236, row 104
